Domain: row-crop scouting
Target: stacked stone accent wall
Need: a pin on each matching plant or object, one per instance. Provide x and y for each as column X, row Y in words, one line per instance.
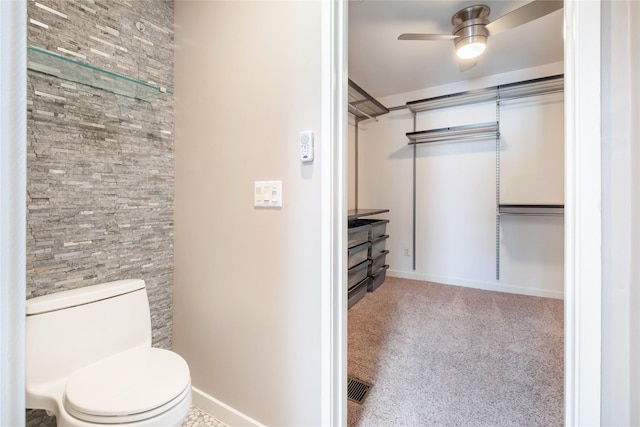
column 100, row 166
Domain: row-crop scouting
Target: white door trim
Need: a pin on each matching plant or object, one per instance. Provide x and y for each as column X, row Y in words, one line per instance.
column 583, row 282
column 583, row 279
column 334, row 214
column 13, row 142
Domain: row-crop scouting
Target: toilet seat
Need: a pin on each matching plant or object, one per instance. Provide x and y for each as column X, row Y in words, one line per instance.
column 131, row 386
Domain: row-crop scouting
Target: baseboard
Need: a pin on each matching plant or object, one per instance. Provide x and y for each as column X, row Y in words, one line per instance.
column 223, row 412
column 487, row 286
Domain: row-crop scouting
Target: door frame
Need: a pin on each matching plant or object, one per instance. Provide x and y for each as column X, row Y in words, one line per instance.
column 583, row 280
column 333, row 155
column 583, row 218
column 13, row 172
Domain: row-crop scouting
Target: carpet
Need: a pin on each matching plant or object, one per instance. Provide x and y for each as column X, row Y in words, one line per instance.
column 441, row 355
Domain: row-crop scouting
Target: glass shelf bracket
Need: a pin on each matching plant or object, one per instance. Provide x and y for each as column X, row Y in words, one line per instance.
column 50, row 63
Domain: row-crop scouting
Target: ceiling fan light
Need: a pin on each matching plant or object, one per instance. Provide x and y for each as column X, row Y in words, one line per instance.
column 471, row 50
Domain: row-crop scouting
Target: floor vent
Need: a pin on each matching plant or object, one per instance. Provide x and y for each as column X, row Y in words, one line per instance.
column 357, row 390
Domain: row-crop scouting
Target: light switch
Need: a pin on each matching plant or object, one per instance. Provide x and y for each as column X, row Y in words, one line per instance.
column 267, row 194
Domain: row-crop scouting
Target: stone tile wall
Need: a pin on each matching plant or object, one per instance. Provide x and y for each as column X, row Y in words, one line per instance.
column 100, row 166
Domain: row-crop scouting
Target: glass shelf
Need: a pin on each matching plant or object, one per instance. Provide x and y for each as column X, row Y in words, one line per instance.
column 50, row 63
column 455, row 133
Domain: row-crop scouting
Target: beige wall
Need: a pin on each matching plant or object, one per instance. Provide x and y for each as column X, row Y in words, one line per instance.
column 247, row 294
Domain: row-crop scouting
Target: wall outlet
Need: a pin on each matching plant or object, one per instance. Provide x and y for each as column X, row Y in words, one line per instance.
column 406, row 252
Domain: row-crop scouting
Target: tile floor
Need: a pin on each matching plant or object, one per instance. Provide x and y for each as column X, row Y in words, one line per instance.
column 198, row 418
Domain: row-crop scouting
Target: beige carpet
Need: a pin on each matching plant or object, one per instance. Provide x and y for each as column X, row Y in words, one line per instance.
column 442, row 355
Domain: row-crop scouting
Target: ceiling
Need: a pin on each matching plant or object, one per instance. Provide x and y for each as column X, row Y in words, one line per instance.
column 383, row 65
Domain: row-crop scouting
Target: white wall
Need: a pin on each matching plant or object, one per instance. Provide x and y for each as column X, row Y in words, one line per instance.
column 620, row 213
column 456, row 190
column 247, row 306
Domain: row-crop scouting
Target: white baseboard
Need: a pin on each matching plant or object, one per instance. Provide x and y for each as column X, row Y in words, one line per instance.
column 223, row 412
column 487, row 286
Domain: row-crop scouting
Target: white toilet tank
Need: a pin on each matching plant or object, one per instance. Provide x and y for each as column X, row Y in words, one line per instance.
column 68, row 330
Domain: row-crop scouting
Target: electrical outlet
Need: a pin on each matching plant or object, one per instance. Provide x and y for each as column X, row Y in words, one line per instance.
column 406, row 251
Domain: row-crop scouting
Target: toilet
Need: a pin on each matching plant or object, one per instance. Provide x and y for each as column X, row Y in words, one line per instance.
column 89, row 359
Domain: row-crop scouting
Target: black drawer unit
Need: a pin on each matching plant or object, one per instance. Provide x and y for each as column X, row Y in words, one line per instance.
column 366, row 254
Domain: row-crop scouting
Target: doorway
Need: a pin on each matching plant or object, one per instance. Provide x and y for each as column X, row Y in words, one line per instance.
column 582, row 391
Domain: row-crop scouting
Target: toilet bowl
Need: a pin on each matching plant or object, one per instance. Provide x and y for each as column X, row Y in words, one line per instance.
column 89, row 360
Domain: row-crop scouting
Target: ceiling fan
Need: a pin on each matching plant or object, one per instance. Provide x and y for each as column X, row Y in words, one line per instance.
column 472, row 28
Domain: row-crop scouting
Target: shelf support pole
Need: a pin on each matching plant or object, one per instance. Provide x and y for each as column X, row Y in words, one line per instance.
column 498, row 186
column 356, row 165
column 414, row 194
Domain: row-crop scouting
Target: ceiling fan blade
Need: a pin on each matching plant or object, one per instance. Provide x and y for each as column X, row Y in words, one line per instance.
column 466, row 64
column 529, row 12
column 418, row 36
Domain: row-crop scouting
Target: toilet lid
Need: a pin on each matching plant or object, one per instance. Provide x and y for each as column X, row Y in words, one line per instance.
column 130, row 384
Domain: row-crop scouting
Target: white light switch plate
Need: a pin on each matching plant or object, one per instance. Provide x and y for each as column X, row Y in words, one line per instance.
column 267, row 194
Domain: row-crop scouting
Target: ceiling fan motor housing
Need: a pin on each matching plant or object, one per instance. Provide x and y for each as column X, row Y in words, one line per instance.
column 471, row 32
column 470, row 25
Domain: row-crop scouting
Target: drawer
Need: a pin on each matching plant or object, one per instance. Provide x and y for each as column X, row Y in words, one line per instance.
column 378, row 246
column 378, row 262
column 358, row 254
column 377, row 278
column 357, row 292
column 376, row 227
column 357, row 274
column 358, row 233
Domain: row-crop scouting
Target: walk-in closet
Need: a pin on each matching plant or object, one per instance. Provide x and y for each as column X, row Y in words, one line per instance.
column 465, row 167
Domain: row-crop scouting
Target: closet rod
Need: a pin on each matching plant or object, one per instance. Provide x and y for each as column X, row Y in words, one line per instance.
column 530, row 209
column 514, row 90
column 455, row 133
column 513, row 98
column 397, row 108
